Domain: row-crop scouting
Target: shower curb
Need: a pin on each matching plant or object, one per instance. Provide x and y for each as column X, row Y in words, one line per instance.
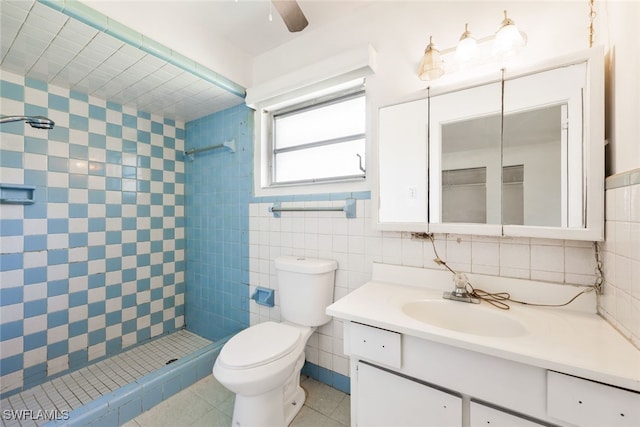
column 129, row 401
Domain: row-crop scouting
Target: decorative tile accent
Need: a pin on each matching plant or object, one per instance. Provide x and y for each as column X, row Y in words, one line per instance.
column 105, row 236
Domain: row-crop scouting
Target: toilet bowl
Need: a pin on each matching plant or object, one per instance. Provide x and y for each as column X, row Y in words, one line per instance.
column 262, row 363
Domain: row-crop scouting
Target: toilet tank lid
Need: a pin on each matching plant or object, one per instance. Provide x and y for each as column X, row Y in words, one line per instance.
column 305, row 265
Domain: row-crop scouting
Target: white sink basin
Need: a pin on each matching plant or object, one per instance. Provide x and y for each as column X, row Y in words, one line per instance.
column 463, row 317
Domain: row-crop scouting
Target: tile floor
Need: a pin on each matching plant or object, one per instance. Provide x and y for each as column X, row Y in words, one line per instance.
column 207, row 403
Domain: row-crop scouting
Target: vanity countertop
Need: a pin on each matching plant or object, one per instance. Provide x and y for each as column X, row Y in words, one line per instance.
column 573, row 342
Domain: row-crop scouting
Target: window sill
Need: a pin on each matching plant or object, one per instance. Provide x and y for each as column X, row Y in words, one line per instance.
column 353, row 186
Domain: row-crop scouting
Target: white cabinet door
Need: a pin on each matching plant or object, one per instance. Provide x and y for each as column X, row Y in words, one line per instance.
column 465, row 171
column 402, row 162
column 385, row 399
column 485, row 416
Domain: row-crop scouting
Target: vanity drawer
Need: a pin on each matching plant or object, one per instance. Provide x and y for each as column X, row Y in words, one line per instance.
column 375, row 344
column 587, row 403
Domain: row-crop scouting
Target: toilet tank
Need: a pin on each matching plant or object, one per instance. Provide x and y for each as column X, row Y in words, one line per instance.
column 305, row 286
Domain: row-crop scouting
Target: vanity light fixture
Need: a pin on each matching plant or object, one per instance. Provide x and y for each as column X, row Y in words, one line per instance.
column 508, row 38
column 467, row 48
column 506, row 42
column 431, row 66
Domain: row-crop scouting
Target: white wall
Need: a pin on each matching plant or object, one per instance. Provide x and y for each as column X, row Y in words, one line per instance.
column 399, row 32
column 618, row 29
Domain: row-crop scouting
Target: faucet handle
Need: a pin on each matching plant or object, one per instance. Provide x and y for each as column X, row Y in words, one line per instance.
column 460, row 293
column 460, row 281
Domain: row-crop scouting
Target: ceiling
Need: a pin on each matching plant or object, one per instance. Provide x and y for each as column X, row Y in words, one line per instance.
column 39, row 42
column 243, row 23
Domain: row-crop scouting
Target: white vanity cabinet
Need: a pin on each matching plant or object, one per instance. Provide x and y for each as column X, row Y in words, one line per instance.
column 566, row 367
column 425, row 383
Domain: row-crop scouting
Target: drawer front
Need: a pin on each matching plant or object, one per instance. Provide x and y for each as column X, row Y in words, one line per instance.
column 483, row 416
column 587, row 403
column 376, row 345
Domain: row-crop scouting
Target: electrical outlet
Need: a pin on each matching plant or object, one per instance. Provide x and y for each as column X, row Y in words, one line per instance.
column 413, row 193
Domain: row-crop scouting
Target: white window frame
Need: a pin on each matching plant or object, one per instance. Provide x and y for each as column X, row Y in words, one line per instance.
column 335, row 74
column 333, row 98
column 264, row 184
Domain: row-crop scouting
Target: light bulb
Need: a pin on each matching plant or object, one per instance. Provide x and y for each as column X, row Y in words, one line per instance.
column 467, row 48
column 508, row 38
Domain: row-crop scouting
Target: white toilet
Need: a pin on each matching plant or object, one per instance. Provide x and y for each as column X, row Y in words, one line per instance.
column 262, row 364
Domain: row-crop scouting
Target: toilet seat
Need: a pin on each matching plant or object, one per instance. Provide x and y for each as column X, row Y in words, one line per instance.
column 259, row 345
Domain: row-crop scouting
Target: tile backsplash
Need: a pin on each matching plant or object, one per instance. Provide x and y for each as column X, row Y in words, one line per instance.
column 620, row 302
column 96, row 264
column 356, row 244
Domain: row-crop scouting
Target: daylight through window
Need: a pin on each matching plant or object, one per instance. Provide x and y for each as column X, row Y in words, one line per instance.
column 320, row 142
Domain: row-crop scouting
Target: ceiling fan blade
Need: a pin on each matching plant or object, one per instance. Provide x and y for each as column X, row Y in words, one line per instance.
column 291, row 14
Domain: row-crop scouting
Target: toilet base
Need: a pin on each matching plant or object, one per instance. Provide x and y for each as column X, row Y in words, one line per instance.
column 275, row 408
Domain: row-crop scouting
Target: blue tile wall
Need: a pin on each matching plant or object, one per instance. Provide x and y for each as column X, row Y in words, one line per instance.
column 98, row 262
column 218, row 190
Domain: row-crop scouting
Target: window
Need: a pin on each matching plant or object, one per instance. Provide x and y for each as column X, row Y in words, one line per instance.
column 320, row 141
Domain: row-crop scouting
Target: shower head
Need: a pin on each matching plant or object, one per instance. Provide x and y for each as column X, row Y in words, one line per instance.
column 37, row 122
column 40, row 122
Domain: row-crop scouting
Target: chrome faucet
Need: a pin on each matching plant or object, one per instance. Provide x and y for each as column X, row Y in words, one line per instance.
column 460, row 292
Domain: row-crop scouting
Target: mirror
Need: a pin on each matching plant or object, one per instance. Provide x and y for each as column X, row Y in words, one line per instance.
column 543, row 133
column 471, row 171
column 532, row 167
column 465, row 145
column 513, row 157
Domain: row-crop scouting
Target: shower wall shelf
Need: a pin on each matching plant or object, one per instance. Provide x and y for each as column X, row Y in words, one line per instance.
column 17, row 194
column 349, row 209
column 231, row 145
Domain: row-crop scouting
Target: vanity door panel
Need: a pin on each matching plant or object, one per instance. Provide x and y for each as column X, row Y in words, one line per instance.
column 553, row 132
column 402, row 159
column 387, row 399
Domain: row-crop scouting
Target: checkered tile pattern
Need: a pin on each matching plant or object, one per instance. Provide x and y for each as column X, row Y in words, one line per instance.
column 97, row 263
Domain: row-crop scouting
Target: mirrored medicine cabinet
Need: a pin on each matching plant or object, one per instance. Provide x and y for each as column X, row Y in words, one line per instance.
column 519, row 154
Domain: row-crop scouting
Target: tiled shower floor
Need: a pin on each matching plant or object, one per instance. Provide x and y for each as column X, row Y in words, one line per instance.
column 72, row 390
